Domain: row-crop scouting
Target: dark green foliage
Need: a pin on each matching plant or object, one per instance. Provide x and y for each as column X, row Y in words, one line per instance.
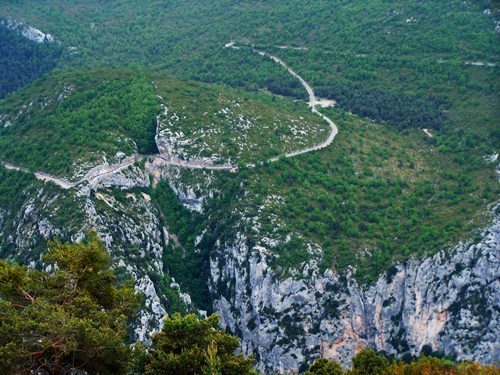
column 11, row 184
column 367, row 362
column 438, row 366
column 22, row 194
column 22, row 60
column 189, row 268
column 427, row 351
column 399, row 109
column 395, row 61
column 72, row 318
column 323, row 366
column 188, row 345
column 74, row 116
column 290, row 254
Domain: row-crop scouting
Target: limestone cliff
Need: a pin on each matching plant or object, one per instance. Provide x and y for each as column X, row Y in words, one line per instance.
column 448, row 301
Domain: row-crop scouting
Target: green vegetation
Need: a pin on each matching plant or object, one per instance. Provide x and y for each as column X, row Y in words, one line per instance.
column 73, row 317
column 84, row 115
column 323, row 366
column 402, row 62
column 69, row 120
column 450, row 28
column 11, row 183
column 367, row 362
column 22, row 61
column 189, row 346
column 18, row 192
column 225, row 124
column 14, row 186
column 430, row 365
column 375, row 197
column 418, row 91
column 381, row 193
column 190, row 268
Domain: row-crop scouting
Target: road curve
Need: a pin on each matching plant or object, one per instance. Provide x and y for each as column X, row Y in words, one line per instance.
column 313, row 103
column 92, row 177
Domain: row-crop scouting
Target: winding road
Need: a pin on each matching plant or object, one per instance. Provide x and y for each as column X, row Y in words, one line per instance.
column 313, row 103
column 95, row 174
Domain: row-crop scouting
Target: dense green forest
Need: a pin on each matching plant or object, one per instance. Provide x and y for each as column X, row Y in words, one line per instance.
column 377, row 58
column 22, row 61
column 78, row 116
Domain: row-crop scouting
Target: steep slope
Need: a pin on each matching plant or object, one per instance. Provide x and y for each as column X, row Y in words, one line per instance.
column 448, row 302
column 297, row 282
column 32, row 212
column 68, row 122
column 25, row 55
column 90, row 120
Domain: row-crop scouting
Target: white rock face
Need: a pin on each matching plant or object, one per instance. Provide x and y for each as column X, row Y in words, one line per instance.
column 449, row 301
column 154, row 310
column 27, row 31
column 130, row 229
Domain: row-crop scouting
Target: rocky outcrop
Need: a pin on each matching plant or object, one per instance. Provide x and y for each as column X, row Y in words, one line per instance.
column 27, row 31
column 129, row 226
column 448, row 301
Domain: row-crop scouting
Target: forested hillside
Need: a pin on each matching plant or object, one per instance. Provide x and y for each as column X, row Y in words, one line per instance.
column 378, row 59
column 78, row 117
column 22, row 60
column 322, row 174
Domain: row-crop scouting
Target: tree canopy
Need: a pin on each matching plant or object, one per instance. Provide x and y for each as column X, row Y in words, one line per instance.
column 187, row 345
column 323, row 366
column 73, row 317
column 368, row 362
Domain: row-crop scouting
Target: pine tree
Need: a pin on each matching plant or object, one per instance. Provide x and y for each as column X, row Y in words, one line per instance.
column 187, row 345
column 213, row 362
column 72, row 318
